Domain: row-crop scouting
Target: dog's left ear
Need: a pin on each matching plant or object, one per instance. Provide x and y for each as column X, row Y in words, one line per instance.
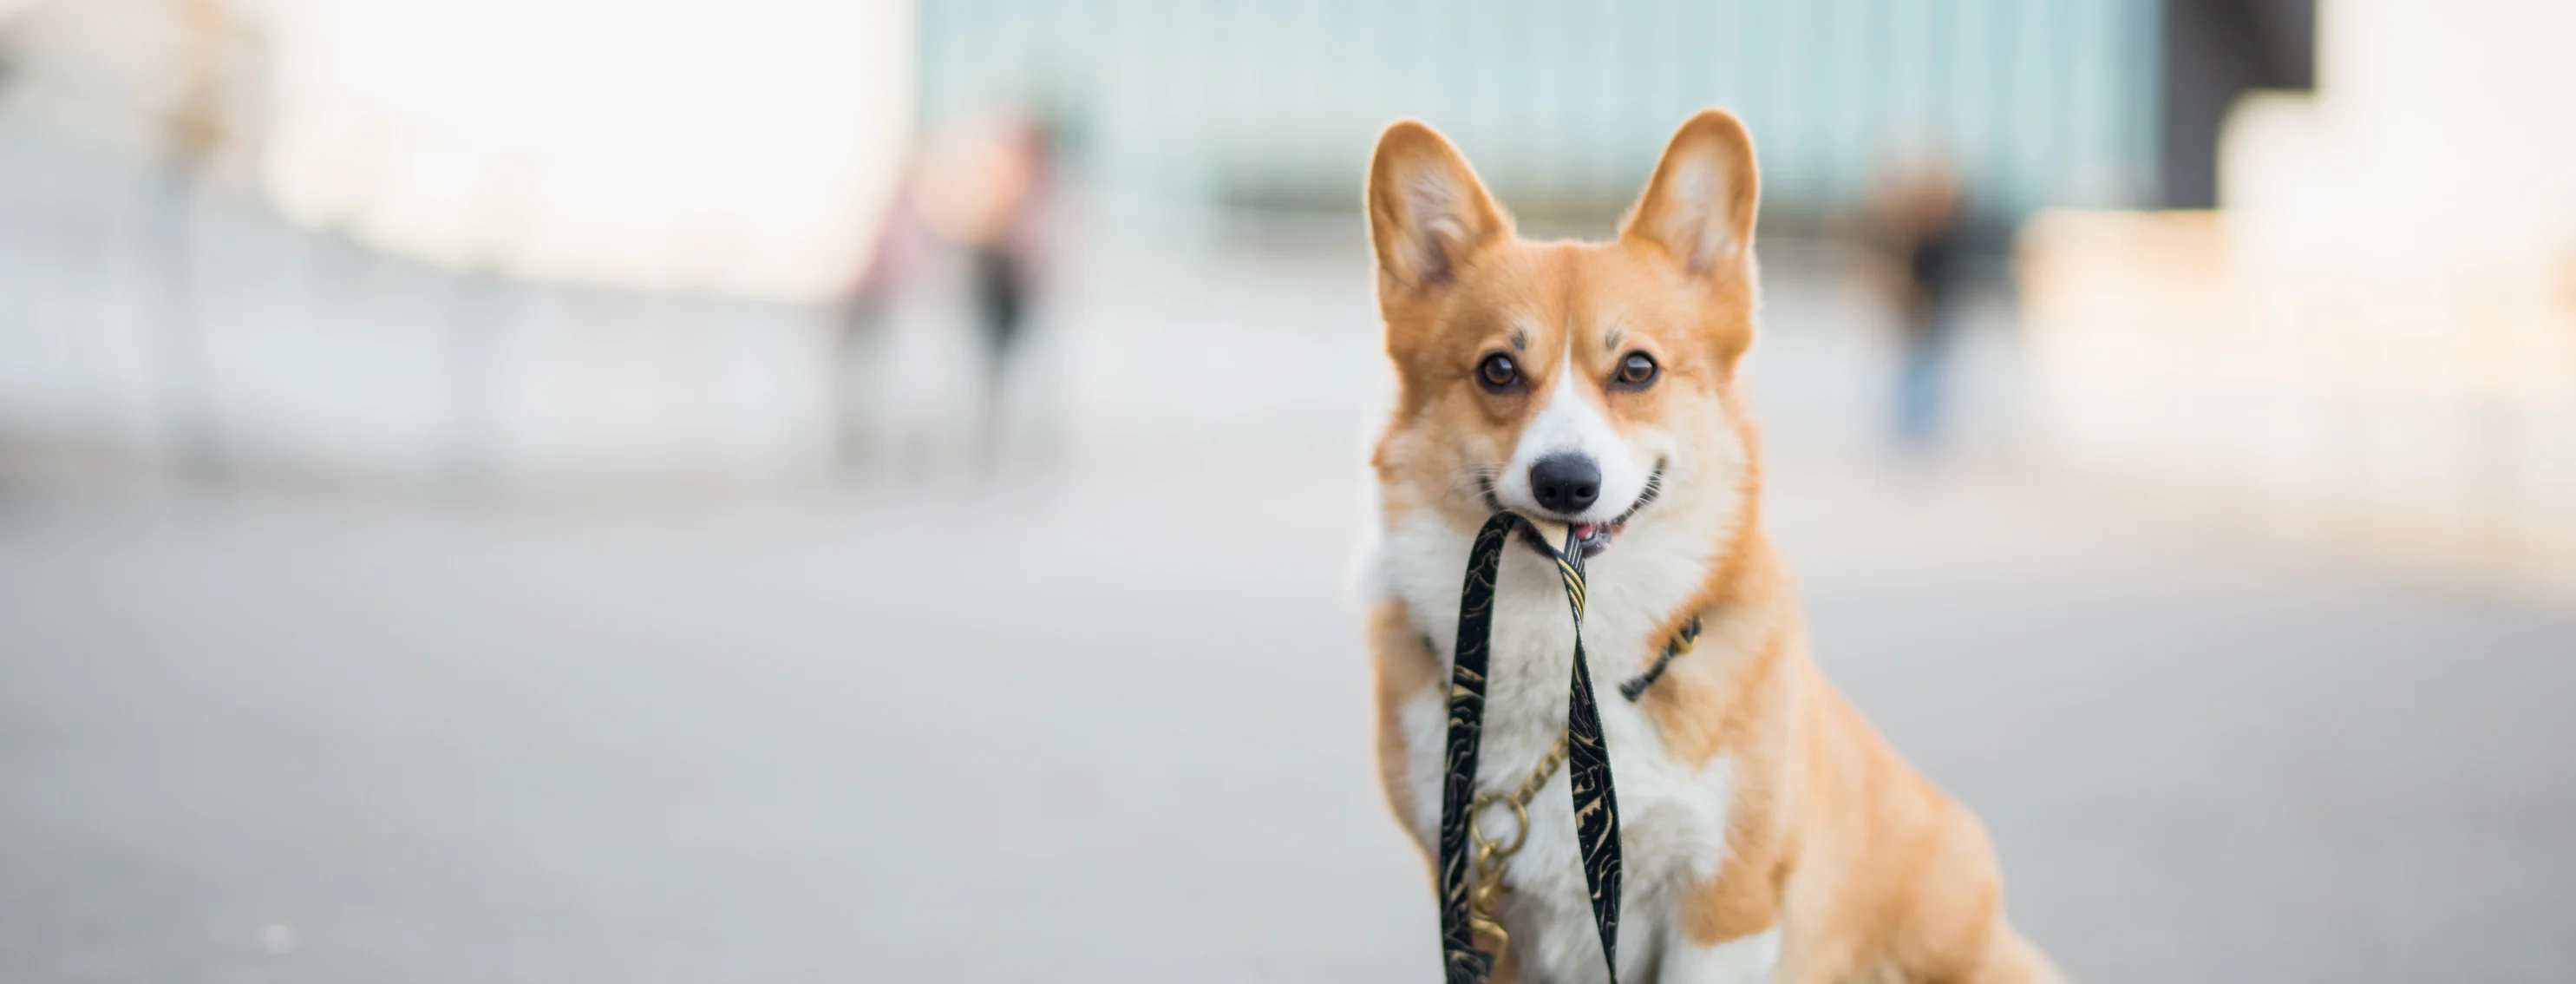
column 1700, row 205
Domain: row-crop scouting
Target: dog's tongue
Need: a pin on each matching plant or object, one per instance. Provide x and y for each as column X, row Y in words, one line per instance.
column 1554, row 533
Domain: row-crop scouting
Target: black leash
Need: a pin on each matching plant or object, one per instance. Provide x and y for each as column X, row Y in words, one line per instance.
column 1596, row 806
column 1675, row 646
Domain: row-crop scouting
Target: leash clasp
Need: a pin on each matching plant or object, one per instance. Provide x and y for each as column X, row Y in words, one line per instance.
column 1485, row 899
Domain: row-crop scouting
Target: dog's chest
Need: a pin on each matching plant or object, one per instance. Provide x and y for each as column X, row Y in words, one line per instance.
column 1672, row 813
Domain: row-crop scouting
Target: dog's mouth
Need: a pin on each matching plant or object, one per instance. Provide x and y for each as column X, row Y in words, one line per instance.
column 1592, row 538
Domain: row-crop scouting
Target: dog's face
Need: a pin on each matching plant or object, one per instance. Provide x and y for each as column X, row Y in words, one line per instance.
column 1587, row 383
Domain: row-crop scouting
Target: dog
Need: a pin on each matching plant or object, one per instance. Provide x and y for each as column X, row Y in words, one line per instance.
column 1769, row 832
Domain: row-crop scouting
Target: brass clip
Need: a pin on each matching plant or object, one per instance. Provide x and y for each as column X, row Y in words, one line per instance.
column 1486, row 898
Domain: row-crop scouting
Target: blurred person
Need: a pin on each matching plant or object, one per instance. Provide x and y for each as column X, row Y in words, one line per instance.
column 194, row 131
column 893, row 262
column 989, row 188
column 1008, row 262
column 1916, row 224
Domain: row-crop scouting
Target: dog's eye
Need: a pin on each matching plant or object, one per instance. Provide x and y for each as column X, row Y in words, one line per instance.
column 1498, row 372
column 1636, row 369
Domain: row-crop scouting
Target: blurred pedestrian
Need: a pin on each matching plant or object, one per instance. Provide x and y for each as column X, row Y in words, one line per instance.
column 1917, row 223
column 990, row 188
column 195, row 130
column 894, row 254
column 1007, row 266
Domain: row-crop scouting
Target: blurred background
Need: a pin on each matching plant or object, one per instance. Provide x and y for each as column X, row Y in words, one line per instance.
column 561, row 490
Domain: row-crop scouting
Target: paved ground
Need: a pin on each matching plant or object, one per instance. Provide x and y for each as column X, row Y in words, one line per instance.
column 1102, row 732
column 1107, row 721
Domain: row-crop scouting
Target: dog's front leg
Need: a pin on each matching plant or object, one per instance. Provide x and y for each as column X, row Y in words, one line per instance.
column 1746, row 959
column 1728, row 930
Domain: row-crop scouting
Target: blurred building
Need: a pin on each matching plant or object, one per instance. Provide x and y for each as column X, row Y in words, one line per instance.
column 478, row 236
column 1563, row 107
column 2370, row 346
column 742, row 148
column 435, row 240
column 2215, row 51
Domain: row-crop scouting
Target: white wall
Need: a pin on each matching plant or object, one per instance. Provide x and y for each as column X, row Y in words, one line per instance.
column 742, row 146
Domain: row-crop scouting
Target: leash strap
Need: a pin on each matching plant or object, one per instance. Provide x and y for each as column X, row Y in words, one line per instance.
column 1675, row 646
column 1596, row 805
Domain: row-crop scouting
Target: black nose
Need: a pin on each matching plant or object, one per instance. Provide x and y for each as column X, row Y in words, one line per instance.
column 1565, row 483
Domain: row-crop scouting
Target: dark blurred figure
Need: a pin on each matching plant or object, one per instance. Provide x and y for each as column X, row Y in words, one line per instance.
column 990, row 188
column 1919, row 227
column 1007, row 266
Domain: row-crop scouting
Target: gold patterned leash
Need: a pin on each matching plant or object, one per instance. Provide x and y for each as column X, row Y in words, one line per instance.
column 1471, row 864
column 1493, row 855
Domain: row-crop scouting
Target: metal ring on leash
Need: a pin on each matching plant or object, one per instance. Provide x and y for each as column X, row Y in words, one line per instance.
column 1476, row 827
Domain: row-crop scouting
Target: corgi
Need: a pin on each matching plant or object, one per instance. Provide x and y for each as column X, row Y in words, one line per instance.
column 1769, row 832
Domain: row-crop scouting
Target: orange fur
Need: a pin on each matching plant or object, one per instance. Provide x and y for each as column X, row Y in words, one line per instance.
column 1869, row 871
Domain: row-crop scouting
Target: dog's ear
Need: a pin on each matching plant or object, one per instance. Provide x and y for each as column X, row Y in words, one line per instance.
column 1699, row 206
column 1428, row 215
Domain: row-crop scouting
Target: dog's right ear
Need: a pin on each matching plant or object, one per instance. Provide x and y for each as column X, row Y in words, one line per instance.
column 1428, row 215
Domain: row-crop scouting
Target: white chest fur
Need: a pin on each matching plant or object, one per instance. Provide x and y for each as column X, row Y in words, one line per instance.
column 1672, row 814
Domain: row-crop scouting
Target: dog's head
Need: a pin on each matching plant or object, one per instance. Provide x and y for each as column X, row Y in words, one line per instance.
column 1588, row 383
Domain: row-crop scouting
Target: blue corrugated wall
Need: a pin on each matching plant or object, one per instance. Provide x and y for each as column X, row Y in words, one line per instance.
column 2038, row 102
